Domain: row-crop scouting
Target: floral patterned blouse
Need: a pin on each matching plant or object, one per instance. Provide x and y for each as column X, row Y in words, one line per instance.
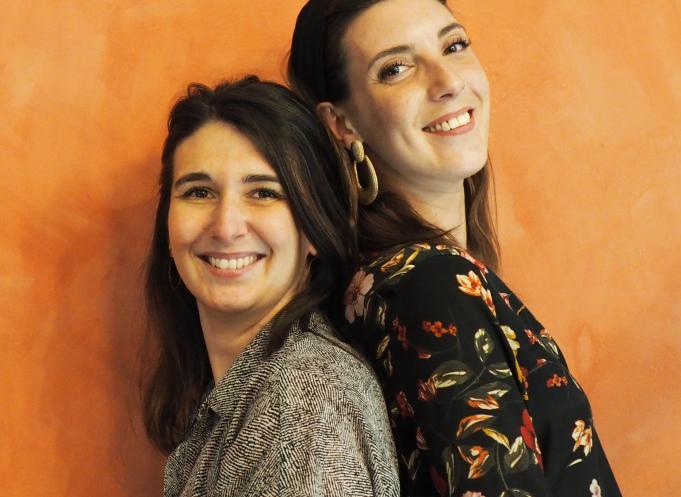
column 481, row 400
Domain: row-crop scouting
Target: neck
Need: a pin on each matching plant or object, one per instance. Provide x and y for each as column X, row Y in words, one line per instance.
column 227, row 337
column 445, row 210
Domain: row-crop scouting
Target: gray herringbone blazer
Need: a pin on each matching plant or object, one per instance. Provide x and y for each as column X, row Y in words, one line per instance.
column 310, row 420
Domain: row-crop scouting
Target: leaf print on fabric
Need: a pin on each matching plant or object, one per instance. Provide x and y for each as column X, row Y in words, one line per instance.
column 438, row 329
column 500, row 370
column 521, row 373
column 451, row 373
column 413, row 463
column 487, row 299
column 487, row 396
column 463, row 370
column 406, row 410
column 546, row 341
column 420, row 439
column 530, row 437
column 382, row 346
column 471, row 424
column 406, row 267
column 484, row 345
column 471, row 285
column 595, row 488
column 582, row 437
column 427, row 390
column 510, row 337
column 488, row 403
column 394, row 261
column 354, row 296
column 401, row 333
column 515, row 492
column 517, row 458
column 378, row 311
column 388, row 364
column 450, row 466
column 497, row 437
column 479, row 458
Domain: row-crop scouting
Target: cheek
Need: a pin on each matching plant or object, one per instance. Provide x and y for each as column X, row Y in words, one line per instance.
column 182, row 227
column 388, row 117
column 277, row 229
column 477, row 78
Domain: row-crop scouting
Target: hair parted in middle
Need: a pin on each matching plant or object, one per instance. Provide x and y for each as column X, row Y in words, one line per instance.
column 291, row 138
column 317, row 69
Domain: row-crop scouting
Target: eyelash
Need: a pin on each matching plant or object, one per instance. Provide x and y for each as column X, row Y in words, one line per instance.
column 269, row 194
column 459, row 40
column 384, row 73
column 258, row 194
column 191, row 193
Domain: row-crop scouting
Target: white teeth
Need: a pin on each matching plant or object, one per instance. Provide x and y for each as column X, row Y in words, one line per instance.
column 464, row 118
column 232, row 263
column 453, row 123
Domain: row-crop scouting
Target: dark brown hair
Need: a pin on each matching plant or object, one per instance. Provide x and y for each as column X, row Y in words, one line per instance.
column 295, row 143
column 318, row 71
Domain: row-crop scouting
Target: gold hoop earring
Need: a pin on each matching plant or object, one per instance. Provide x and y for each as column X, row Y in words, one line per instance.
column 365, row 194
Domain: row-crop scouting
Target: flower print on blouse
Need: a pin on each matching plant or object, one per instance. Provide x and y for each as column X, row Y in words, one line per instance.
column 480, row 398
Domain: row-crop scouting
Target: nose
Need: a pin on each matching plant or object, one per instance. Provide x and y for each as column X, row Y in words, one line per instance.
column 229, row 220
column 444, row 81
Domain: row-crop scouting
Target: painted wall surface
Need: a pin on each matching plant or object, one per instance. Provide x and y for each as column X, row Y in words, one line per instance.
column 586, row 144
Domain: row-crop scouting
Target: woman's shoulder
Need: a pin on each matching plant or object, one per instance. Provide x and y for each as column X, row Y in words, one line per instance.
column 387, row 272
column 318, row 362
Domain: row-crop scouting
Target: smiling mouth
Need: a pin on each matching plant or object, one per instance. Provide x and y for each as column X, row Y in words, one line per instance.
column 231, row 262
column 451, row 123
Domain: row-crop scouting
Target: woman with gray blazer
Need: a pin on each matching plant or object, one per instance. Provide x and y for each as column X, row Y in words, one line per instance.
column 252, row 393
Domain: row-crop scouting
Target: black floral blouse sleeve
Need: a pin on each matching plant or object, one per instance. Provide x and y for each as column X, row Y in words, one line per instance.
column 481, row 401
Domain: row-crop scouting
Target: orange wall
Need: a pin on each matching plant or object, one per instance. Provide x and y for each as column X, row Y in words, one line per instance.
column 586, row 143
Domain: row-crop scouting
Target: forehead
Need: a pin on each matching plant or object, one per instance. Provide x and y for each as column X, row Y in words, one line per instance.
column 221, row 148
column 395, row 22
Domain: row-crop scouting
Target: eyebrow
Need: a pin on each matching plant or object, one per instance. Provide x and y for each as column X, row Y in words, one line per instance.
column 201, row 176
column 405, row 48
column 255, row 178
column 188, row 178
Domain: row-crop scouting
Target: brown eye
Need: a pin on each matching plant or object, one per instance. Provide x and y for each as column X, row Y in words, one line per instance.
column 266, row 194
column 197, row 192
column 457, row 45
column 392, row 70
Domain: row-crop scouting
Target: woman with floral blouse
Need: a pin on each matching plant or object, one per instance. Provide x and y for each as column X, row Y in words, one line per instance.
column 481, row 400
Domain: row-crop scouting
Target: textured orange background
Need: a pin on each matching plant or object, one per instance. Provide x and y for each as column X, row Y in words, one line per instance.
column 586, row 143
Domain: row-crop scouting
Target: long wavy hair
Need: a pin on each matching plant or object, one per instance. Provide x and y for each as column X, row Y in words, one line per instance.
column 317, row 70
column 295, row 143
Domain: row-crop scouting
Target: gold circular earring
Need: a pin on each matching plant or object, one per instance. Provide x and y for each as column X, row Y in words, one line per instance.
column 365, row 194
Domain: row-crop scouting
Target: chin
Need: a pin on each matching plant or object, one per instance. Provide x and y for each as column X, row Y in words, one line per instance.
column 460, row 172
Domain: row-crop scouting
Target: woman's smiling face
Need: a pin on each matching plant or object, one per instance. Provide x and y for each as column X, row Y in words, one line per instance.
column 419, row 97
column 232, row 234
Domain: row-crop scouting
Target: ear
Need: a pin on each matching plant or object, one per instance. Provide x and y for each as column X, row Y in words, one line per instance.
column 307, row 248
column 338, row 123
